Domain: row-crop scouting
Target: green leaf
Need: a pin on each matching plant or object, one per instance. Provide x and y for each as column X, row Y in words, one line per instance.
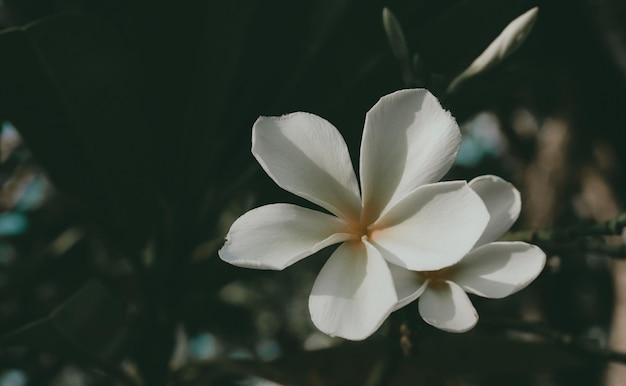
column 73, row 90
column 206, row 149
column 90, row 326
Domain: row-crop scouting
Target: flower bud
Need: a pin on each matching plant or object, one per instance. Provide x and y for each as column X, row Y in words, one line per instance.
column 509, row 40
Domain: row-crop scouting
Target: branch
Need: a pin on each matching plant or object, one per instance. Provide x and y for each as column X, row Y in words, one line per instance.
column 398, row 347
column 577, row 345
column 559, row 235
column 578, row 235
column 614, row 251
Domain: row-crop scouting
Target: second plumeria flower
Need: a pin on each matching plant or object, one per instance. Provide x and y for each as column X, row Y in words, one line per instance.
column 493, row 269
column 399, row 214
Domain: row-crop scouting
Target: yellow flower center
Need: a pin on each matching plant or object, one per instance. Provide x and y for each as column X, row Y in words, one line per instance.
column 360, row 231
column 438, row 277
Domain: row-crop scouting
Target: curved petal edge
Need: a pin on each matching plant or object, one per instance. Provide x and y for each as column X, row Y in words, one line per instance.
column 278, row 235
column 499, row 269
column 305, row 155
column 432, row 228
column 408, row 285
column 503, row 203
column 408, row 140
column 446, row 306
column 353, row 293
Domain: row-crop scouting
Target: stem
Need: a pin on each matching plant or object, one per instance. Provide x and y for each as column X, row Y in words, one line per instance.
column 614, row 251
column 398, row 348
column 159, row 311
column 577, row 345
column 558, row 235
column 579, row 236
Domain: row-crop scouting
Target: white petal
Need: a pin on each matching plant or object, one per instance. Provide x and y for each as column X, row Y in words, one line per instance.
column 446, row 306
column 408, row 286
column 499, row 269
column 305, row 155
column 503, row 203
column 276, row 236
column 432, row 228
column 409, row 140
column 353, row 293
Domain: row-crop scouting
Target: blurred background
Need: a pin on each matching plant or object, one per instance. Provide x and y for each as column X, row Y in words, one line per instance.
column 125, row 157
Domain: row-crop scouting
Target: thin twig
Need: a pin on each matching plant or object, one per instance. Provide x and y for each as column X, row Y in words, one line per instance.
column 614, row 251
column 398, row 346
column 571, row 233
column 577, row 345
column 585, row 237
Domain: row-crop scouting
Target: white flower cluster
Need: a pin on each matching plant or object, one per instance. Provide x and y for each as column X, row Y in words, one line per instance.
column 403, row 235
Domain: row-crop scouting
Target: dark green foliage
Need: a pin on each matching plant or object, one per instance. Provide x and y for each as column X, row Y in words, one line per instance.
column 75, row 91
column 91, row 324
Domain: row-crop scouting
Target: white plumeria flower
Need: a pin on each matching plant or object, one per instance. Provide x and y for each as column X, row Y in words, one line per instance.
column 492, row 269
column 399, row 214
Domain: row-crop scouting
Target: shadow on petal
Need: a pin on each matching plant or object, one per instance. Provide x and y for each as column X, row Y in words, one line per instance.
column 353, row 293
